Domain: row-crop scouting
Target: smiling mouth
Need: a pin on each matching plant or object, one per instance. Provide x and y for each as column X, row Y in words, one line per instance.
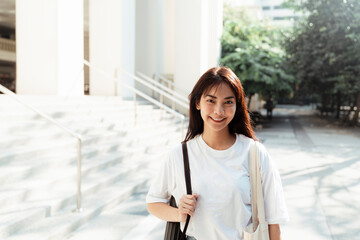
column 217, row 120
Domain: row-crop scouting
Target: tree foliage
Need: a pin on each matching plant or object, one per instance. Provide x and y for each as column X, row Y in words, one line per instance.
column 253, row 51
column 324, row 49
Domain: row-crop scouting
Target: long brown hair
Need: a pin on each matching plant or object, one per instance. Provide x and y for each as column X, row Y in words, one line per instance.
column 213, row 78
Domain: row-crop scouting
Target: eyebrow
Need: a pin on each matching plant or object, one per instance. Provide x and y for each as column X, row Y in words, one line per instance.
column 208, row 95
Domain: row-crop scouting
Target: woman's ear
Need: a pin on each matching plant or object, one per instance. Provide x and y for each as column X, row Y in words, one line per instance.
column 198, row 106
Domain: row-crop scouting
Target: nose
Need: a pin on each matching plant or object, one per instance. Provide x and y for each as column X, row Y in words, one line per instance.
column 219, row 110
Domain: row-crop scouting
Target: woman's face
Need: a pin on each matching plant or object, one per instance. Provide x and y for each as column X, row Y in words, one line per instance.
column 217, row 108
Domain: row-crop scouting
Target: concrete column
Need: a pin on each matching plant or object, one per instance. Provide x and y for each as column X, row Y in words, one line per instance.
column 196, row 40
column 49, row 47
column 128, row 45
column 169, row 51
column 111, row 41
column 150, row 38
column 215, row 32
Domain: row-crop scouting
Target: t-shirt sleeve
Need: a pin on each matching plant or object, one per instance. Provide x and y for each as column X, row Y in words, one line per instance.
column 275, row 207
column 163, row 182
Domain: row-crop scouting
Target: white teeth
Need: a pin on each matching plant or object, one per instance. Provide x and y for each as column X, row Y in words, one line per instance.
column 217, row 119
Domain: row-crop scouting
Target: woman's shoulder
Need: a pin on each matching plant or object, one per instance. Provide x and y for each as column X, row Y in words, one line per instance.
column 177, row 148
column 263, row 154
column 249, row 141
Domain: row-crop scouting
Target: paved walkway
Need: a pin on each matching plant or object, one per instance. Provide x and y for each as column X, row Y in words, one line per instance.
column 319, row 164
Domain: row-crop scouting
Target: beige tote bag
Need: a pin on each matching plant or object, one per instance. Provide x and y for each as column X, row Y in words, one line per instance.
column 258, row 229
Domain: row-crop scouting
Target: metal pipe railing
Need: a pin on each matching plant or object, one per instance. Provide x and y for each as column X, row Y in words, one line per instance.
column 8, row 45
column 67, row 130
column 170, row 84
column 165, row 79
column 141, row 94
column 179, row 96
column 161, row 92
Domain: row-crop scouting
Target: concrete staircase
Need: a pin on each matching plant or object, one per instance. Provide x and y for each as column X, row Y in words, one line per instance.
column 39, row 162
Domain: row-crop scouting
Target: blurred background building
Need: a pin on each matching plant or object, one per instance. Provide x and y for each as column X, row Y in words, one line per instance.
column 43, row 43
column 272, row 10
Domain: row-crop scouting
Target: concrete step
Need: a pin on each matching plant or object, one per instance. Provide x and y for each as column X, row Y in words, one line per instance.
column 56, row 226
column 7, row 102
column 86, row 129
column 11, row 121
column 11, row 222
column 129, row 219
column 62, row 188
column 16, row 115
column 26, row 151
column 102, row 122
column 38, row 161
column 24, row 169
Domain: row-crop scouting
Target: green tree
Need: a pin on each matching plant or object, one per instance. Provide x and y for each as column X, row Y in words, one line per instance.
column 253, row 51
column 323, row 51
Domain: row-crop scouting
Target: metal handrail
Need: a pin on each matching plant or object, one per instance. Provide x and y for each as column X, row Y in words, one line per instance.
column 164, row 79
column 181, row 97
column 145, row 96
column 161, row 77
column 156, row 89
column 7, row 45
column 67, row 130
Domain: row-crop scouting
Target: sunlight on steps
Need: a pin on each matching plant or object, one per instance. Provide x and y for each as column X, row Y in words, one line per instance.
column 38, row 166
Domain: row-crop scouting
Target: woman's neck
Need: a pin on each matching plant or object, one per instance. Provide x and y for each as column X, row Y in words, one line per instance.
column 218, row 140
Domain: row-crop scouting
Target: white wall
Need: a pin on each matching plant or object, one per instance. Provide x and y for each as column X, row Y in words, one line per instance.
column 150, row 38
column 197, row 32
column 128, row 45
column 215, row 32
column 169, row 45
column 111, row 41
column 49, row 42
column 105, row 40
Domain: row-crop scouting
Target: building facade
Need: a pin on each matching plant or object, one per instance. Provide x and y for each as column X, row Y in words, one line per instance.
column 179, row 39
column 272, row 10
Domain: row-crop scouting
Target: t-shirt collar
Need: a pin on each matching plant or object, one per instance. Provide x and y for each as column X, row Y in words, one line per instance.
column 217, row 153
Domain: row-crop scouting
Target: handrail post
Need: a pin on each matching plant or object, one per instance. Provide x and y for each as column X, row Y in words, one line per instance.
column 115, row 82
column 162, row 102
column 78, row 205
column 156, row 79
column 115, row 88
column 53, row 121
column 161, row 98
column 152, row 90
column 134, row 108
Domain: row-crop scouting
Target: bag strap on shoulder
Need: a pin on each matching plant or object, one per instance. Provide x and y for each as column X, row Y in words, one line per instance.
column 257, row 198
column 188, row 182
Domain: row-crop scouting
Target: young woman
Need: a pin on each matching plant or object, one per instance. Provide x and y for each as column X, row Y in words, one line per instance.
column 218, row 141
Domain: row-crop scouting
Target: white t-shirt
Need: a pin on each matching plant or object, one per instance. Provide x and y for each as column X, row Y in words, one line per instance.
column 221, row 180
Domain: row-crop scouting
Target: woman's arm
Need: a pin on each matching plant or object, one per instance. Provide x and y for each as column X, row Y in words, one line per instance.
column 165, row 212
column 274, row 232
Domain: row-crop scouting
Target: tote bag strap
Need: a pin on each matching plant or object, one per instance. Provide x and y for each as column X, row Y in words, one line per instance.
column 188, row 182
column 257, row 198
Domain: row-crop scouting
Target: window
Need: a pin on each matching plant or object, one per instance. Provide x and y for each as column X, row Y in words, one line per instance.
column 278, row 7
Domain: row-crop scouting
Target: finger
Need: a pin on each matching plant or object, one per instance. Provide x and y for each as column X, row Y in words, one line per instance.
column 191, row 200
column 188, row 212
column 188, row 207
column 188, row 196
